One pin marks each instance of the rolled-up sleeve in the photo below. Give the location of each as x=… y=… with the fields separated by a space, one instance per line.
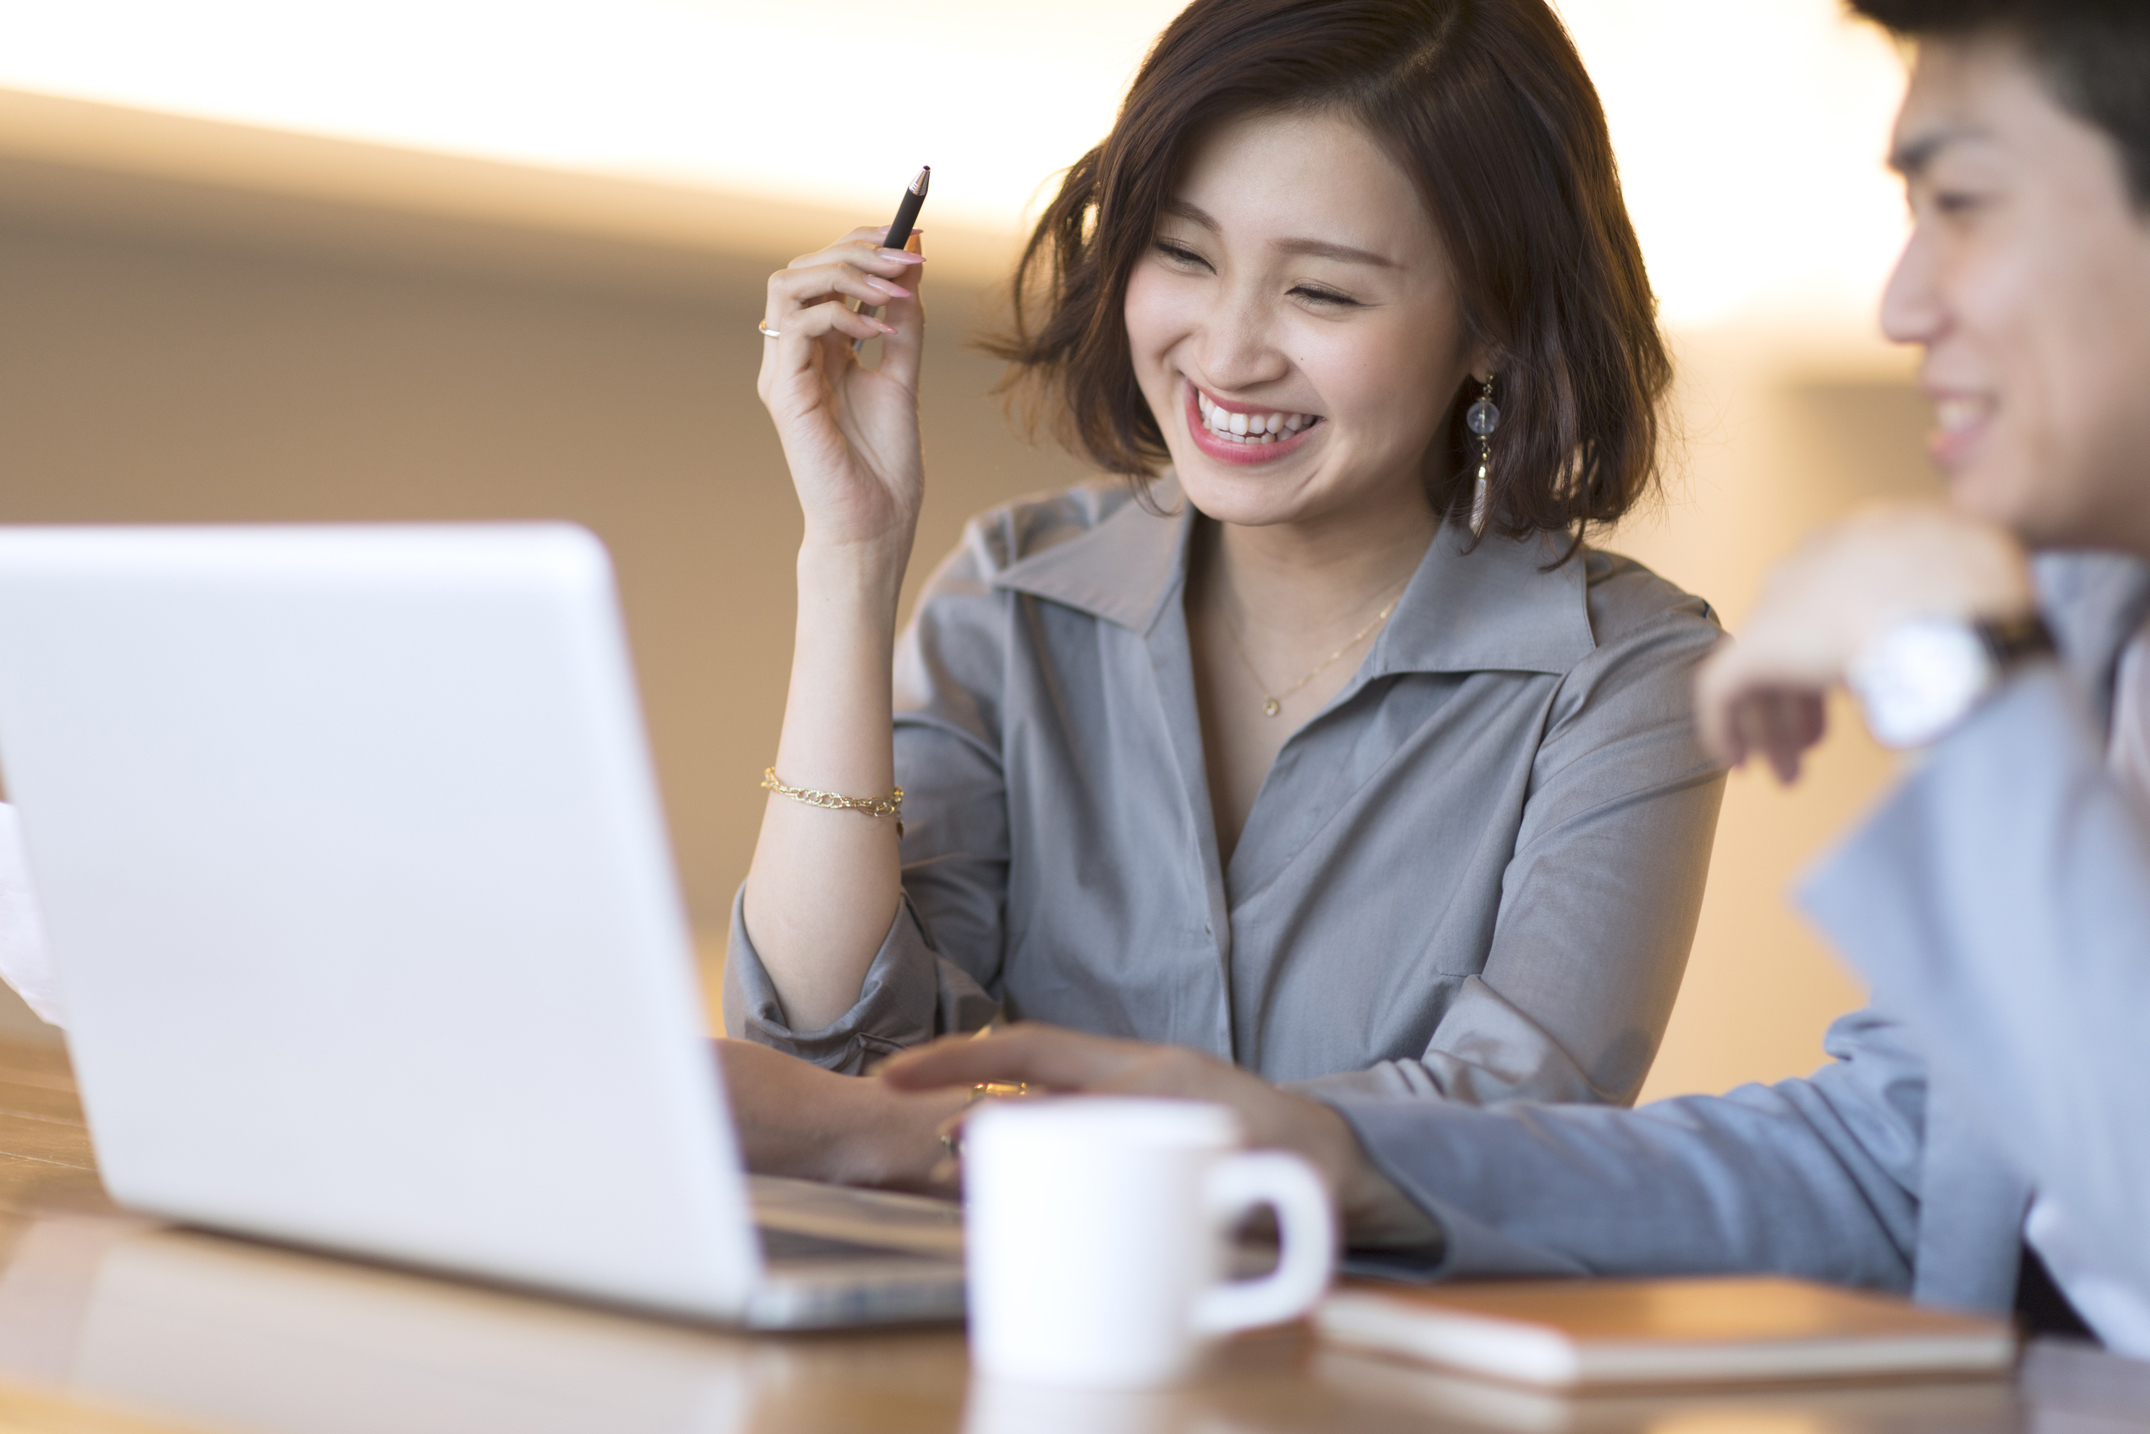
x=1808 y=1177
x=911 y=994
x=938 y=964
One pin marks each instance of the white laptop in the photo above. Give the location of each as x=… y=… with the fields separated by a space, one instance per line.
x=352 y=864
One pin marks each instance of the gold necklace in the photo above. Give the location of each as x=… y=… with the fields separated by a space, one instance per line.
x=1273 y=703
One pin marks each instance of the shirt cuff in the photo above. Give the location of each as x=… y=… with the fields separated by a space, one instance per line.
x=910 y=995
x=1405 y=1139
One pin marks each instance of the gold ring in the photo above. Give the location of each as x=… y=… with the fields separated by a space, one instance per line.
x=766 y=331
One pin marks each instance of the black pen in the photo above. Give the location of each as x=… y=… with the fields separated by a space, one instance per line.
x=899 y=229
x=914 y=199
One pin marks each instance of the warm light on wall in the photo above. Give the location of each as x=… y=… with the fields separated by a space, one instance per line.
x=839 y=101
x=1751 y=136
x=1749 y=132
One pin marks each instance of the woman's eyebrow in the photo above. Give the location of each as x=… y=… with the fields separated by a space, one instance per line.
x=1181 y=209
x=1322 y=249
x=1318 y=248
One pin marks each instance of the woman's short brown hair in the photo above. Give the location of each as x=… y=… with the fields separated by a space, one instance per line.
x=1485 y=104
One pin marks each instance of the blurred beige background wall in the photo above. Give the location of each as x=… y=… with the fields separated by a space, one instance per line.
x=203 y=320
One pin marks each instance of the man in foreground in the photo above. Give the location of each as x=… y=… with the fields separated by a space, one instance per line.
x=1982 y=1137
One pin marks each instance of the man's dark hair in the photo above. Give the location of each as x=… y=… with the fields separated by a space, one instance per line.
x=2094 y=55
x=1485 y=104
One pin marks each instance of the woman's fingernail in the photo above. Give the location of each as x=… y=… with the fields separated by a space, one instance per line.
x=889 y=329
x=904 y=256
x=897 y=290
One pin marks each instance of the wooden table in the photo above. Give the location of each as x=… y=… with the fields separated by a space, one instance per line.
x=110 y=1323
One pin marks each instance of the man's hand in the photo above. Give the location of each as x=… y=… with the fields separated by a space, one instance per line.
x=1763 y=692
x=1069 y=1062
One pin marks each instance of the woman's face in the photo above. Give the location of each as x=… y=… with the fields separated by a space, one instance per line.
x=1294 y=326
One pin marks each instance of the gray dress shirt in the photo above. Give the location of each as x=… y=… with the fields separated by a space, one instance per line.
x=1475 y=873
x=1999 y=900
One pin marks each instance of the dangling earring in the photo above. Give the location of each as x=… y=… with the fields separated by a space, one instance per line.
x=1482 y=418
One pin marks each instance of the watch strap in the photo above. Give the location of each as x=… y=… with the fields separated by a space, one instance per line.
x=2012 y=641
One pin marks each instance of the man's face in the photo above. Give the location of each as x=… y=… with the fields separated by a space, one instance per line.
x=2027 y=282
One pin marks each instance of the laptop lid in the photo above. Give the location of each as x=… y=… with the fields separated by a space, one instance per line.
x=352 y=862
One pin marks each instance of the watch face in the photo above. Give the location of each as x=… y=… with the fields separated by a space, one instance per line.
x=1918 y=679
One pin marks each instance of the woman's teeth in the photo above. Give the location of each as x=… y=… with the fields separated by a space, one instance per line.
x=1250 y=427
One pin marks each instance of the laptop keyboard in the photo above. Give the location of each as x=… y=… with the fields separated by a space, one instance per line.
x=791 y=1247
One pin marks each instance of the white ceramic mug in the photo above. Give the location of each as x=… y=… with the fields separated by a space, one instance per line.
x=1097 y=1237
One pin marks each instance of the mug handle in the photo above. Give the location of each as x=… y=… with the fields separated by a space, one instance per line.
x=1306 y=1229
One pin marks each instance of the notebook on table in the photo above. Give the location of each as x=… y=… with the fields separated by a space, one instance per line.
x=1454 y=1403
x=1609 y=1334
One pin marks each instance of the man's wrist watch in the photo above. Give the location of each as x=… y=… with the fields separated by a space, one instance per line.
x=1916 y=679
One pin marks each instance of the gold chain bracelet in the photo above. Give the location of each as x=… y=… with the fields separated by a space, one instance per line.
x=888 y=806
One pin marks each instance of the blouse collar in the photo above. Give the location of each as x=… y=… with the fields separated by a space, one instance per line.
x=1497 y=608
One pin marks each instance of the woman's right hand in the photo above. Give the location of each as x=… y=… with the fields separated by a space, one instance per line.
x=850 y=433
x=799 y=1120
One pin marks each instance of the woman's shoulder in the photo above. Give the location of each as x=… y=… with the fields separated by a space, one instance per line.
x=1648 y=636
x=1628 y=603
x=961 y=612
x=1003 y=536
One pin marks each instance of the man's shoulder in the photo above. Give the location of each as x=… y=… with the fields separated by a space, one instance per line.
x=2094 y=602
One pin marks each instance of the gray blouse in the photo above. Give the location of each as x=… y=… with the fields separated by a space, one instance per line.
x=1474 y=874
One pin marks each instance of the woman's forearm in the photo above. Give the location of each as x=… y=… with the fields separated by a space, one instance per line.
x=825 y=884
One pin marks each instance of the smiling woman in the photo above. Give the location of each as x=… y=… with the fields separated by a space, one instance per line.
x=1321 y=742
x=1498 y=205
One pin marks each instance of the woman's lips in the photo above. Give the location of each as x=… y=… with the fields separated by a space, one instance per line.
x=1225 y=450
